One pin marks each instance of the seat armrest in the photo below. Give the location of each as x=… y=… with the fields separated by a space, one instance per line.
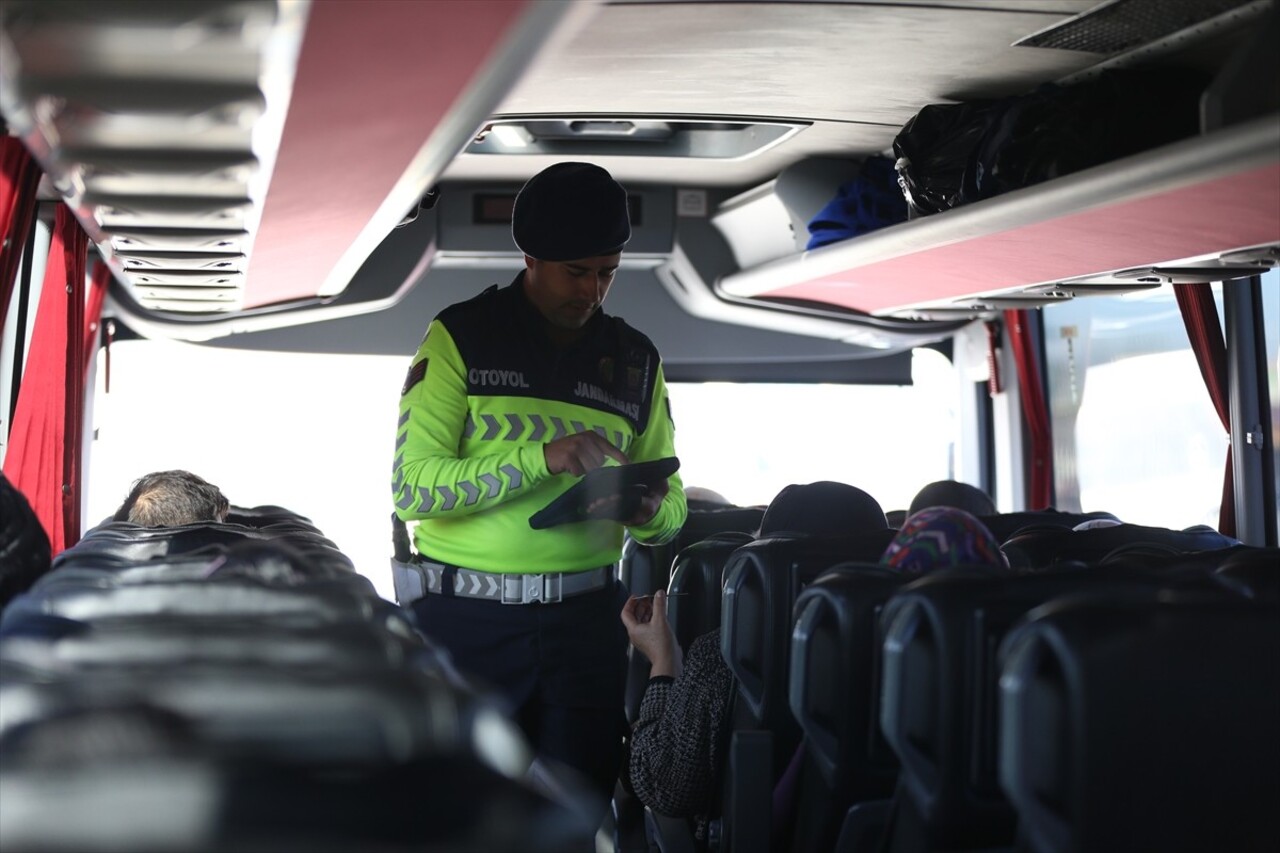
x=749 y=805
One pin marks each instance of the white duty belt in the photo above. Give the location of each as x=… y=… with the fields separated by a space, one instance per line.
x=415 y=579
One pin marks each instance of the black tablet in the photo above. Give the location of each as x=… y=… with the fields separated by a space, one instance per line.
x=629 y=481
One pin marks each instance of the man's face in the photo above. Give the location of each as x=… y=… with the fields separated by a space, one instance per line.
x=567 y=293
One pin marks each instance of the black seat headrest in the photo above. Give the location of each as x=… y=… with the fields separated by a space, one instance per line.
x=1096 y=690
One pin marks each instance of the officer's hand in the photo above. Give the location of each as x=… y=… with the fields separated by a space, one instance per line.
x=633 y=507
x=579 y=453
x=647 y=626
x=649 y=505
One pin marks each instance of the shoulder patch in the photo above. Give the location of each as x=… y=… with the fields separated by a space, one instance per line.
x=416 y=374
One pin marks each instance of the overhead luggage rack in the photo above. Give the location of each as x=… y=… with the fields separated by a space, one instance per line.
x=1211 y=203
x=150 y=116
x=165 y=127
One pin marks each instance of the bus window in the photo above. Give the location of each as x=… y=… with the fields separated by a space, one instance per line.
x=313 y=432
x=1271 y=325
x=748 y=441
x=308 y=431
x=1134 y=430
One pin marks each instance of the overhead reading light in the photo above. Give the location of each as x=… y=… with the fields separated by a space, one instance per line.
x=511 y=135
x=578 y=136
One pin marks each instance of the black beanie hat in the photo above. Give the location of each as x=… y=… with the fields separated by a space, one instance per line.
x=570 y=211
x=822 y=509
x=955 y=494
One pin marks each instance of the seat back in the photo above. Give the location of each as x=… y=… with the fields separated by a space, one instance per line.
x=697 y=577
x=1046 y=548
x=833 y=669
x=1005 y=524
x=84 y=600
x=645 y=569
x=937 y=711
x=254 y=692
x=763 y=579
x=120 y=544
x=1251 y=572
x=1144 y=722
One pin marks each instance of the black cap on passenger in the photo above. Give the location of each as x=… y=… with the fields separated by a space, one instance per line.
x=822 y=509
x=955 y=494
x=570 y=211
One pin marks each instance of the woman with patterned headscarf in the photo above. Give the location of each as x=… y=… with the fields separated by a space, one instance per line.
x=941 y=537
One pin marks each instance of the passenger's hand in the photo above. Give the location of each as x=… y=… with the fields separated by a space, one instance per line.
x=647 y=626
x=579 y=453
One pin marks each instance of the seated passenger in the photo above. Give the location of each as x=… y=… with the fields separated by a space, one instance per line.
x=24 y=546
x=942 y=537
x=953 y=493
x=171 y=499
x=675 y=742
x=675 y=761
x=938 y=537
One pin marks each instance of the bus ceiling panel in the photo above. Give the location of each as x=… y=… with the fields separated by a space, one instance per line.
x=1182 y=205
x=853 y=73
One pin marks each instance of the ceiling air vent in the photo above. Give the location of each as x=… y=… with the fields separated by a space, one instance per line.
x=1122 y=25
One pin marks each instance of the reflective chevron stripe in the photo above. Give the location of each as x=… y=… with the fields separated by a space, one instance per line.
x=512 y=426
x=423 y=499
x=514 y=475
x=494 y=484
x=425 y=576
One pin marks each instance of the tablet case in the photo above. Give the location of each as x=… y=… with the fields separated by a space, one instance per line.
x=629 y=481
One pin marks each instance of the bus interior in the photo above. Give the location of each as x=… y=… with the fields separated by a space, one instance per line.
x=1028 y=245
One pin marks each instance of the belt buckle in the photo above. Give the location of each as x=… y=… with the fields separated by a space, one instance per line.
x=532 y=589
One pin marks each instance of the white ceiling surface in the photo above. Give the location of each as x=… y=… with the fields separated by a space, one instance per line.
x=859 y=72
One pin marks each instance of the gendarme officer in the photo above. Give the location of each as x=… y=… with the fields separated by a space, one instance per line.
x=511 y=397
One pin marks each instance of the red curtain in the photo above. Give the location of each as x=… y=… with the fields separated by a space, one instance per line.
x=19 y=176
x=1200 y=316
x=1034 y=410
x=44 y=456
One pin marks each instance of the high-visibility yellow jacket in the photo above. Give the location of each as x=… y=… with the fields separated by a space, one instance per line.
x=485 y=391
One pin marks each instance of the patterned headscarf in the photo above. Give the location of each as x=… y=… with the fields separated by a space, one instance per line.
x=940 y=537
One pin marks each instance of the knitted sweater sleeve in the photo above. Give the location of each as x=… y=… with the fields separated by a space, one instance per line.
x=675 y=746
